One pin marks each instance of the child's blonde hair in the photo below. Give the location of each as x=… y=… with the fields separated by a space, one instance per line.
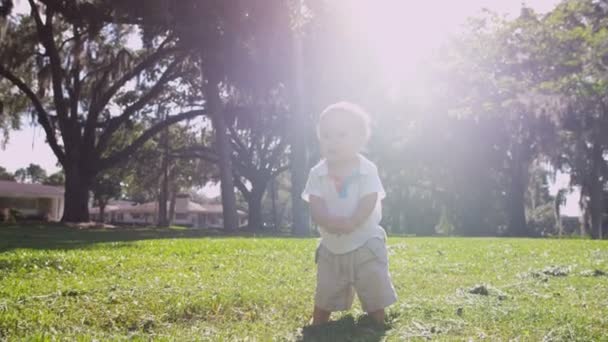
x=360 y=116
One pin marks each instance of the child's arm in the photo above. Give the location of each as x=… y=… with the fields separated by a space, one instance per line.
x=342 y=225
x=365 y=207
x=321 y=216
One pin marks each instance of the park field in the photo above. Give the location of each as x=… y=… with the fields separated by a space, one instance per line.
x=59 y=283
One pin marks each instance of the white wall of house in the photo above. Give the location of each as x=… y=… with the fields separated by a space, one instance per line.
x=56 y=209
x=193 y=219
x=186 y=214
x=29 y=205
x=187 y=219
x=35 y=200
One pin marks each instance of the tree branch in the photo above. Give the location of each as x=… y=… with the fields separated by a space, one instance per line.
x=116 y=122
x=45 y=33
x=119 y=156
x=92 y=123
x=144 y=64
x=75 y=74
x=276 y=153
x=42 y=114
x=196 y=152
x=244 y=169
x=237 y=140
x=239 y=146
x=279 y=170
x=242 y=188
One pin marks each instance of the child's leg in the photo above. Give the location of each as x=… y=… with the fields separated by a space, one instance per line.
x=334 y=291
x=373 y=281
x=320 y=316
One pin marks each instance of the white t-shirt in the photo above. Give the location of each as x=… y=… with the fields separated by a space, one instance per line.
x=363 y=182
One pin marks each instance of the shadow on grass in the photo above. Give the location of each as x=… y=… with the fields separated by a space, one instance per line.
x=345 y=329
x=59 y=236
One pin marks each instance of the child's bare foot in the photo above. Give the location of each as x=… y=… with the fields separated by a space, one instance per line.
x=370 y=326
x=377 y=316
x=320 y=316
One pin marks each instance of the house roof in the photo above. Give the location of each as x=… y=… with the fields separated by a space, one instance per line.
x=14 y=189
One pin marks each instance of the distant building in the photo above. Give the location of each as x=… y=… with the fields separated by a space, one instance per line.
x=32 y=201
x=187 y=213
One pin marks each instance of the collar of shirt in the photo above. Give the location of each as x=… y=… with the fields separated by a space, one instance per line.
x=365 y=166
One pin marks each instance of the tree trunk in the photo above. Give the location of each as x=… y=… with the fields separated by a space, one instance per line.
x=298 y=165
x=226 y=181
x=224 y=151
x=163 y=220
x=273 y=200
x=163 y=197
x=76 y=196
x=298 y=158
x=557 y=202
x=172 y=203
x=516 y=210
x=583 y=203
x=596 y=193
x=254 y=204
x=102 y=211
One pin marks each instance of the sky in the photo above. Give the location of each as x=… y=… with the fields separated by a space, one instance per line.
x=424 y=24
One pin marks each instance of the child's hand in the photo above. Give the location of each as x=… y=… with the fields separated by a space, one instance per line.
x=341 y=225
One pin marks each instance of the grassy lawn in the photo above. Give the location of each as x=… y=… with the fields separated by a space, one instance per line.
x=61 y=283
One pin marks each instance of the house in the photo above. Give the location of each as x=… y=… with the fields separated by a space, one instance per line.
x=32 y=201
x=110 y=211
x=187 y=213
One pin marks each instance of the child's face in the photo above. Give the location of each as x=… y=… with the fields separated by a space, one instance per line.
x=340 y=137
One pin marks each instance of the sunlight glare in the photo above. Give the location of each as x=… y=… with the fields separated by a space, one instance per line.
x=403 y=33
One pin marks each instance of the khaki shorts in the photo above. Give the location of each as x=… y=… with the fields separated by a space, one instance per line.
x=364 y=271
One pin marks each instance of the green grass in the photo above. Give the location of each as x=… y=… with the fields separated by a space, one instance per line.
x=58 y=283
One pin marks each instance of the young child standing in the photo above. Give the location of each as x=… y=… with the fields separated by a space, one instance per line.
x=344 y=193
